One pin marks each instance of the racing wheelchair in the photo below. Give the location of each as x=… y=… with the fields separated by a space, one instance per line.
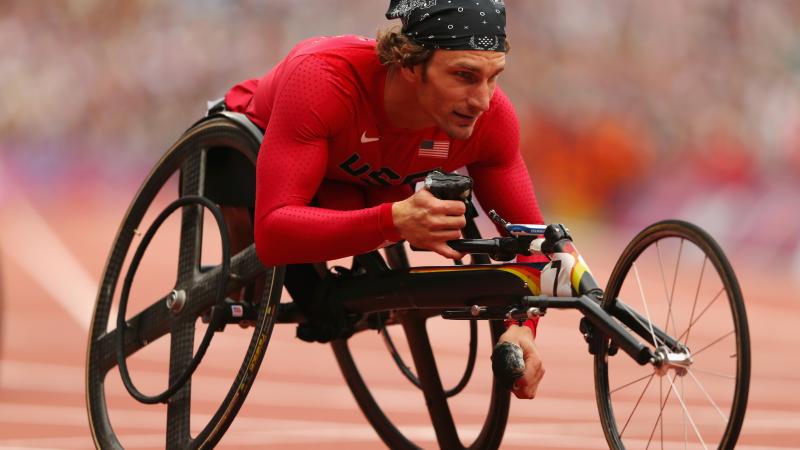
x=671 y=357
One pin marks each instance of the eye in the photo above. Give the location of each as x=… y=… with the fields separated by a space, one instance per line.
x=466 y=76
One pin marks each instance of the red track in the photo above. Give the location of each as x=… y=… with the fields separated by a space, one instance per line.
x=300 y=398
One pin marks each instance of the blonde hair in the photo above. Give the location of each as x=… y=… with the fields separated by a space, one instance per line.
x=396 y=49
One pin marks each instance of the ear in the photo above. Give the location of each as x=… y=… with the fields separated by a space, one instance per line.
x=411 y=74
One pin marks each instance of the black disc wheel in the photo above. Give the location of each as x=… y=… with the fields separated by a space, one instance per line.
x=193 y=175
x=673 y=287
x=436 y=396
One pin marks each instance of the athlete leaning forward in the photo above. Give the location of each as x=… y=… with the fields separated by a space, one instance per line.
x=351 y=124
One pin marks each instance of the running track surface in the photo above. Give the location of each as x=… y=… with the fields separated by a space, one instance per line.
x=52 y=254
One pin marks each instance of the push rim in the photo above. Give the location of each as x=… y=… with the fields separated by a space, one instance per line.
x=414 y=325
x=187 y=157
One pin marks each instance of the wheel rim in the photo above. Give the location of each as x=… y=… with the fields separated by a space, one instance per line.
x=447 y=434
x=187 y=157
x=436 y=397
x=677 y=277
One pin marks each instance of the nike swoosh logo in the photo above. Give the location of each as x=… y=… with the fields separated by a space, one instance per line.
x=365 y=139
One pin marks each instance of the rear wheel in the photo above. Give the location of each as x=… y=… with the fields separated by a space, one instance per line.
x=695 y=395
x=427 y=378
x=196 y=160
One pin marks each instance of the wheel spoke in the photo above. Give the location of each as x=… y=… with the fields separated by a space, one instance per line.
x=435 y=398
x=635 y=316
x=156 y=320
x=193 y=174
x=708 y=397
x=644 y=302
x=691 y=324
x=660 y=413
x=715 y=341
x=667 y=294
x=694 y=304
x=630 y=383
x=145 y=327
x=686 y=412
x=685 y=428
x=674 y=282
x=661 y=400
x=635 y=406
x=192 y=183
x=178 y=410
x=716 y=374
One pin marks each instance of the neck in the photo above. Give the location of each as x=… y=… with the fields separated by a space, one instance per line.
x=401 y=103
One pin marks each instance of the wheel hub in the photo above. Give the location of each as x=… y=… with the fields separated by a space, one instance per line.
x=175 y=300
x=665 y=359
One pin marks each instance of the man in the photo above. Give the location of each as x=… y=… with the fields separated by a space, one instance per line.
x=351 y=124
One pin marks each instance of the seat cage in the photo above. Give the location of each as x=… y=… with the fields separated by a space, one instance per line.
x=218 y=108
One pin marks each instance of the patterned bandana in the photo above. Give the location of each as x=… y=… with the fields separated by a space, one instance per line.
x=452 y=24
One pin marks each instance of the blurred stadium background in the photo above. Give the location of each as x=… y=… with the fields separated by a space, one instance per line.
x=631 y=112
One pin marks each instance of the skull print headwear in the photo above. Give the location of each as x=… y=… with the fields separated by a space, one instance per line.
x=452 y=24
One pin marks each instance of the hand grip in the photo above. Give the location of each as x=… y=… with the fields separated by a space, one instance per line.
x=449 y=186
x=507 y=363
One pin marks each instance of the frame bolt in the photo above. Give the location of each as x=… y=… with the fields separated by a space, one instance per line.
x=534 y=312
x=476 y=310
x=175 y=300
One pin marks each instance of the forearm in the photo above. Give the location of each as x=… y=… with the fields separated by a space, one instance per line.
x=298 y=234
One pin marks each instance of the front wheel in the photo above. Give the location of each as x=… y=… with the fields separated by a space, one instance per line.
x=677 y=279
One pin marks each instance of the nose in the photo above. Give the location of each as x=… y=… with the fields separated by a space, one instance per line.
x=480 y=97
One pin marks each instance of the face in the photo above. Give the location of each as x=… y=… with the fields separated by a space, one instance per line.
x=458 y=87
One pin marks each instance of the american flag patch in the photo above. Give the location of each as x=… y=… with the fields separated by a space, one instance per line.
x=434 y=149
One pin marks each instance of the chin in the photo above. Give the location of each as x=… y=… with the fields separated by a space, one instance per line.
x=459 y=132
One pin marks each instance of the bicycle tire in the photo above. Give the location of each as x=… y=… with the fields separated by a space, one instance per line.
x=493 y=428
x=186 y=156
x=726 y=393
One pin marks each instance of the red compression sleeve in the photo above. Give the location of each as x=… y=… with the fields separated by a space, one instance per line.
x=311 y=104
x=501 y=179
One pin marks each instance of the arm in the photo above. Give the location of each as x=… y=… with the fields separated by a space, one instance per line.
x=501 y=178
x=502 y=183
x=311 y=104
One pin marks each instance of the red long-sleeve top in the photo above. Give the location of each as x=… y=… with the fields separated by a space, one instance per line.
x=327 y=136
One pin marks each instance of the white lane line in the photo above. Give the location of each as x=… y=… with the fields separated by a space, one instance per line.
x=31 y=243
x=254 y=431
x=39 y=377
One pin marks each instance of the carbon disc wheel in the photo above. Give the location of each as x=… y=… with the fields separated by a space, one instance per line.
x=196 y=161
x=448 y=433
x=694 y=395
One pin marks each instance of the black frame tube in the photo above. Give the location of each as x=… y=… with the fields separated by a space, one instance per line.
x=601 y=319
x=636 y=322
x=463 y=286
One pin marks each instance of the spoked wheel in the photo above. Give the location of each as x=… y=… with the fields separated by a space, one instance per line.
x=427 y=378
x=678 y=280
x=201 y=160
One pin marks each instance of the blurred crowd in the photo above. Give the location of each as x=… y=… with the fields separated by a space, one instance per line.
x=631 y=111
